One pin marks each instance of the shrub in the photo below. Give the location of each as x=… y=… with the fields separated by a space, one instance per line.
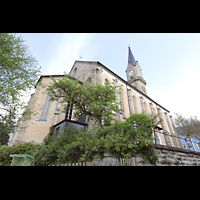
x=23 y=148
x=120 y=140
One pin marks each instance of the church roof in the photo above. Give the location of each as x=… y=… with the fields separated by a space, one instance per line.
x=131 y=58
x=97 y=62
x=128 y=84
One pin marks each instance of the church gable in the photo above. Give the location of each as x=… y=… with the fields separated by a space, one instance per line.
x=85 y=71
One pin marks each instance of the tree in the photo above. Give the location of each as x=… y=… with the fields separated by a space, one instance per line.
x=3 y=136
x=94 y=100
x=18 y=73
x=189 y=127
x=120 y=139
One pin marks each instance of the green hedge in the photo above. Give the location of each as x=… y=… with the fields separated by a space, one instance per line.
x=44 y=154
x=24 y=148
x=120 y=140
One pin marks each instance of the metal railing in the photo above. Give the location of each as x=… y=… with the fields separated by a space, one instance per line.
x=166 y=133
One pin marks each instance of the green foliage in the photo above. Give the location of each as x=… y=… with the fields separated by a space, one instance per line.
x=94 y=100
x=18 y=73
x=45 y=154
x=49 y=137
x=120 y=140
x=24 y=148
x=18 y=67
x=4 y=136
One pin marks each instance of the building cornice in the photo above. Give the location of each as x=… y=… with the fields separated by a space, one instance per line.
x=100 y=64
x=131 y=86
x=136 y=79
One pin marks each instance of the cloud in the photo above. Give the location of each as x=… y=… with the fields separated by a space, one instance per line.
x=182 y=97
x=181 y=93
x=67 y=51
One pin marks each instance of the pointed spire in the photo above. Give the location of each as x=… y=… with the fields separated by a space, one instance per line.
x=131 y=58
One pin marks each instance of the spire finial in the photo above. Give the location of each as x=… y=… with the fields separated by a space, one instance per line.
x=131 y=58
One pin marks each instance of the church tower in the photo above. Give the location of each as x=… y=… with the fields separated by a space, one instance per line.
x=134 y=73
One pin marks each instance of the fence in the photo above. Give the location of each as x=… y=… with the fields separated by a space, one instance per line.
x=107 y=161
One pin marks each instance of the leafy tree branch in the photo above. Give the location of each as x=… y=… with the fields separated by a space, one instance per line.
x=18 y=74
x=94 y=100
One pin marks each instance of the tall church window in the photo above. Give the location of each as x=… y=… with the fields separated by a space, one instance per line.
x=167 y=139
x=152 y=110
x=106 y=84
x=143 y=105
x=121 y=97
x=157 y=138
x=168 y=123
x=134 y=105
x=45 y=110
x=69 y=111
x=170 y=118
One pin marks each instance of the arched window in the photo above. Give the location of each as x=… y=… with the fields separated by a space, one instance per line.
x=45 y=110
x=157 y=138
x=121 y=98
x=68 y=114
x=167 y=139
x=168 y=123
x=152 y=110
x=143 y=105
x=134 y=105
x=106 y=84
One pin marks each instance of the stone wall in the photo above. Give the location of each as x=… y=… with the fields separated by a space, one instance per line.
x=168 y=156
x=171 y=156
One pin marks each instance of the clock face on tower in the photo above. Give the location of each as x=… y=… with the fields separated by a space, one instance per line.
x=131 y=72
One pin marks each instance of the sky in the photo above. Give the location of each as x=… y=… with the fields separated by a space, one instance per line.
x=170 y=62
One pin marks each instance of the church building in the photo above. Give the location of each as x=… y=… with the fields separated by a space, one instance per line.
x=133 y=97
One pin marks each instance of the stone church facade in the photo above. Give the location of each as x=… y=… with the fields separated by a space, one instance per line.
x=133 y=97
